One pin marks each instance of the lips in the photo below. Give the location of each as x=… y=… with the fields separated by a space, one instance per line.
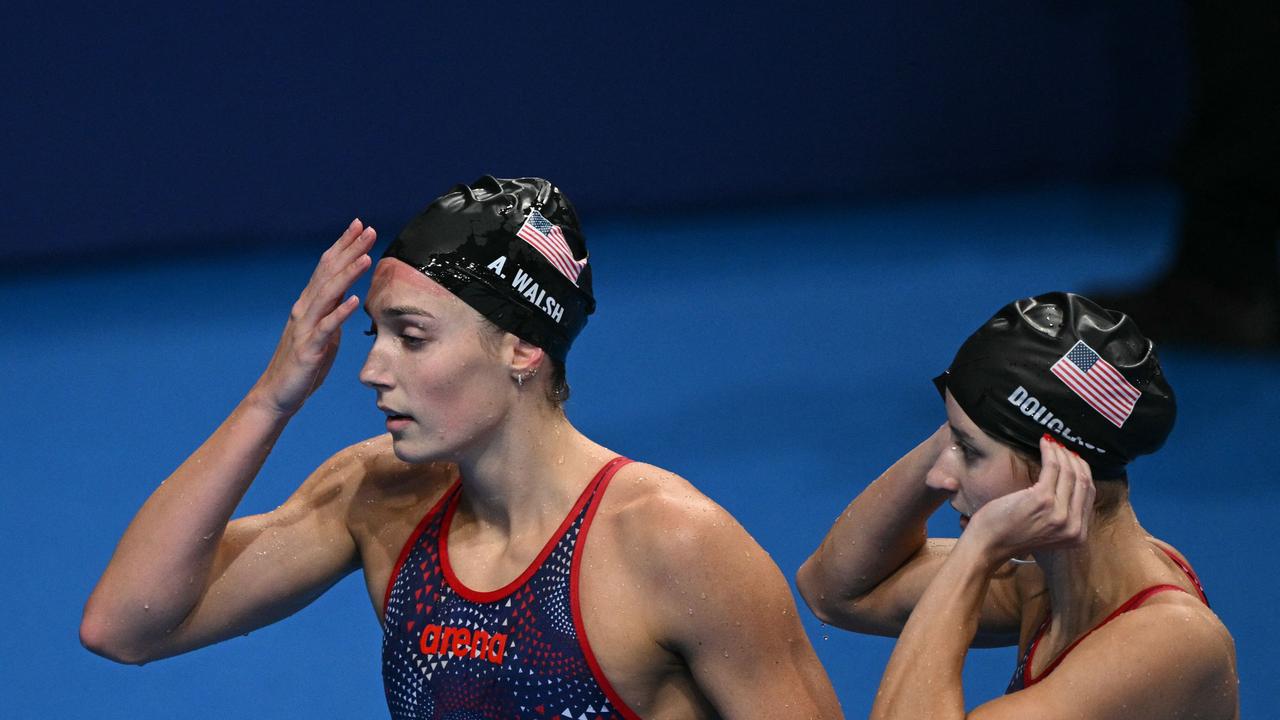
x=395 y=419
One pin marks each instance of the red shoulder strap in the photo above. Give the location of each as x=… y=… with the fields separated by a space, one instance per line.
x=415 y=536
x=1191 y=574
x=1125 y=607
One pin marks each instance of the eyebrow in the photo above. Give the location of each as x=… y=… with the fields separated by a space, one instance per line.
x=960 y=434
x=401 y=311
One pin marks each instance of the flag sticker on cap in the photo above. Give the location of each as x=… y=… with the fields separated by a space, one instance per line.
x=1097 y=383
x=548 y=239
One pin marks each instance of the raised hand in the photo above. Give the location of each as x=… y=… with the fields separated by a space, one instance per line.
x=1052 y=513
x=310 y=339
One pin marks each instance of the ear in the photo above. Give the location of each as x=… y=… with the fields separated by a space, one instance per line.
x=525 y=357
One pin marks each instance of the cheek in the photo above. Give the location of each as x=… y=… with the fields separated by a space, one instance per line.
x=459 y=394
x=996 y=479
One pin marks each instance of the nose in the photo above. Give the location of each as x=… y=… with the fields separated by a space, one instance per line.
x=940 y=476
x=374 y=371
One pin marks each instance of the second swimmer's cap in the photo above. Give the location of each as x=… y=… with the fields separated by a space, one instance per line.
x=513 y=250
x=1061 y=364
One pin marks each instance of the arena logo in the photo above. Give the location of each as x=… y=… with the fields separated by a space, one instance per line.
x=462 y=643
x=528 y=287
x=1031 y=406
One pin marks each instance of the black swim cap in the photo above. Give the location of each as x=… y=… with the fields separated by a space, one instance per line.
x=512 y=249
x=1061 y=364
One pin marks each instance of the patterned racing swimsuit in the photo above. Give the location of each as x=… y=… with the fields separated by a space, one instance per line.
x=453 y=653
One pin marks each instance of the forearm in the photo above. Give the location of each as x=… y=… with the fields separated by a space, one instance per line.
x=923 y=678
x=878 y=532
x=162 y=564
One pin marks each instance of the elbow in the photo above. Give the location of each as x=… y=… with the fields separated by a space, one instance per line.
x=813 y=591
x=98 y=636
x=832 y=604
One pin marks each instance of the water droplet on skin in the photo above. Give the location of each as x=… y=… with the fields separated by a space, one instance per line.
x=146 y=607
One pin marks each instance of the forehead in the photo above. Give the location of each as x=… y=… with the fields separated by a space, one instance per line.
x=960 y=420
x=396 y=283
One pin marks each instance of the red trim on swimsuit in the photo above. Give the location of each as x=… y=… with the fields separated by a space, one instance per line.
x=413 y=540
x=575 y=603
x=1130 y=604
x=487 y=596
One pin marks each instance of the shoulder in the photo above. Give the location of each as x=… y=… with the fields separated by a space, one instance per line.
x=1171 y=657
x=1174 y=642
x=658 y=509
x=669 y=534
x=1181 y=629
x=367 y=478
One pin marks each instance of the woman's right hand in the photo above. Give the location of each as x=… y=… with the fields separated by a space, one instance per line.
x=1052 y=513
x=310 y=340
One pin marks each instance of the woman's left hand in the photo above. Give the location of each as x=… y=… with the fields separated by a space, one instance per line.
x=1052 y=513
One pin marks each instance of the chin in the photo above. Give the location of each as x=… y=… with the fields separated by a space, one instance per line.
x=408 y=452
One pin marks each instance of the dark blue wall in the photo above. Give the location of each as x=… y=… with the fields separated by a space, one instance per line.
x=180 y=125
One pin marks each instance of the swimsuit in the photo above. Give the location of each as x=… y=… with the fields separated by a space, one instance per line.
x=521 y=651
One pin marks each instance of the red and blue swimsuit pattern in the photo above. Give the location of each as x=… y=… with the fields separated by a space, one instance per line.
x=518 y=652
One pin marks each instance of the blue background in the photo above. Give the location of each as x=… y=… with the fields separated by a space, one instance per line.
x=795 y=218
x=174 y=126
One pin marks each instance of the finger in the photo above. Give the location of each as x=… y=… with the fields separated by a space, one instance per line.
x=1065 y=488
x=354 y=241
x=1085 y=493
x=1074 y=528
x=341 y=253
x=329 y=324
x=1049 y=462
x=329 y=293
x=352 y=232
x=359 y=245
x=1081 y=507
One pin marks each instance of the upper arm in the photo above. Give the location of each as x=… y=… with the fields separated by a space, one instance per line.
x=727 y=610
x=1161 y=661
x=885 y=609
x=269 y=566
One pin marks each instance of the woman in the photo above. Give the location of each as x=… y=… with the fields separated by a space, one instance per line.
x=1046 y=404
x=519 y=569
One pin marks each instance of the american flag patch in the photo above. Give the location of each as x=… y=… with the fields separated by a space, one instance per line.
x=1097 y=383
x=548 y=239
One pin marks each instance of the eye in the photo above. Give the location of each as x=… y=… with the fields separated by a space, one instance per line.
x=969 y=454
x=410 y=341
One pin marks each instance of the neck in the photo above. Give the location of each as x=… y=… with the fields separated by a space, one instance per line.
x=529 y=471
x=1088 y=582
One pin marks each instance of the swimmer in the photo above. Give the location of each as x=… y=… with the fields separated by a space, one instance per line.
x=518 y=568
x=1046 y=405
